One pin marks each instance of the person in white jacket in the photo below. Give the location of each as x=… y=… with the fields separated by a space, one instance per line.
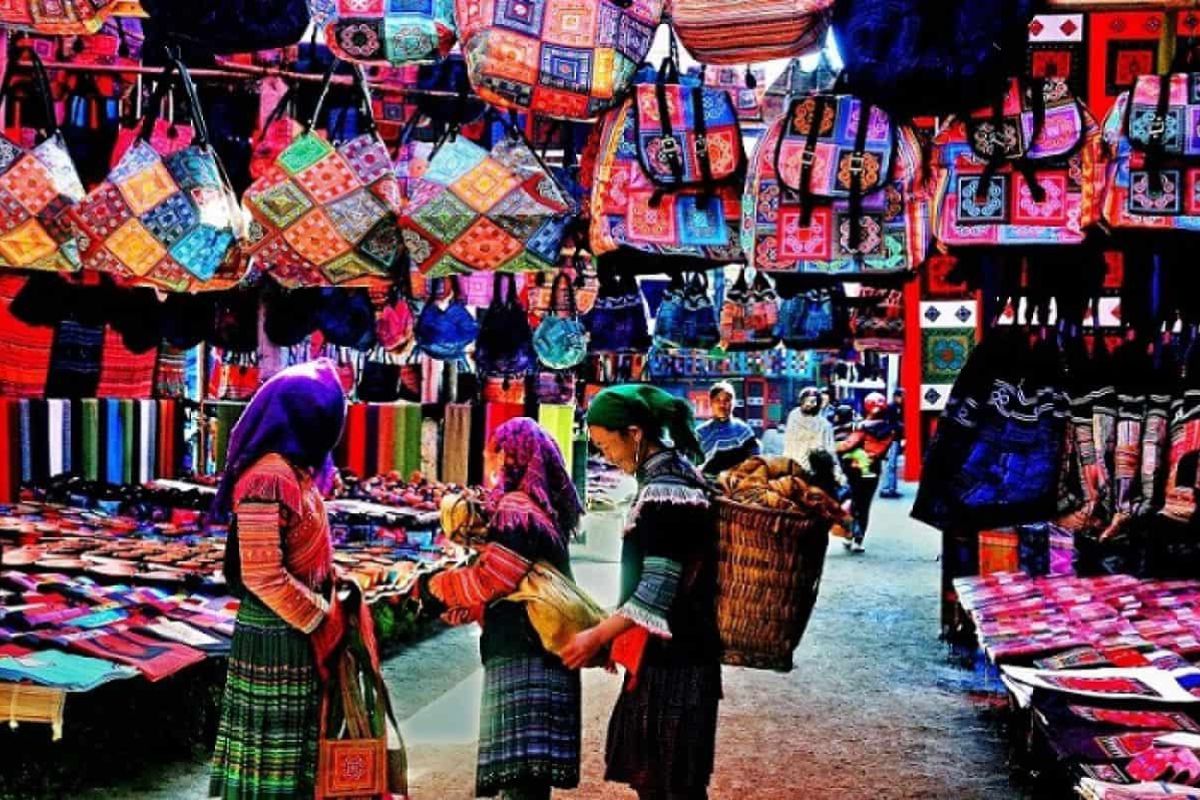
x=809 y=433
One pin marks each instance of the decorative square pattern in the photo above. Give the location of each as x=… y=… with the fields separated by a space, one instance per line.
x=485 y=246
x=523 y=16
x=103 y=211
x=315 y=238
x=566 y=68
x=146 y=189
x=571 y=23
x=355 y=215
x=486 y=185
x=283 y=204
x=27 y=245
x=12 y=213
x=445 y=216
x=30 y=183
x=135 y=247
x=303 y=153
x=200 y=251
x=328 y=179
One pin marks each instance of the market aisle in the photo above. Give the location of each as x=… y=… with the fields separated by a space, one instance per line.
x=872 y=710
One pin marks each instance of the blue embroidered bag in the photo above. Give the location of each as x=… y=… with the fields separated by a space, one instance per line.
x=446 y=333
x=561 y=342
x=810 y=320
x=687 y=318
x=617 y=322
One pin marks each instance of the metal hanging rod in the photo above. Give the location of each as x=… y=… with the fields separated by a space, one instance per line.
x=236 y=72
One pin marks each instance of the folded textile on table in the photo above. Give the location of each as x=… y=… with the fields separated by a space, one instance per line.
x=154 y=658
x=61 y=670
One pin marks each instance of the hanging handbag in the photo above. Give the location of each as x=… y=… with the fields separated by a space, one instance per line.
x=326 y=214
x=669 y=175
x=913 y=57
x=236 y=377
x=392 y=33
x=168 y=223
x=379 y=380
x=1027 y=171
x=467 y=209
x=835 y=188
x=229 y=26
x=795 y=81
x=555 y=388
x=737 y=32
x=40 y=187
x=569 y=59
x=749 y=314
x=686 y=317
x=1153 y=182
x=505 y=343
x=617 y=323
x=446 y=333
x=57 y=17
x=877 y=320
x=561 y=342
x=746 y=88
x=811 y=320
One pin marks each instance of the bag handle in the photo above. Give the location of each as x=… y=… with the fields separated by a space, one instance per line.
x=41 y=81
x=360 y=85
x=177 y=70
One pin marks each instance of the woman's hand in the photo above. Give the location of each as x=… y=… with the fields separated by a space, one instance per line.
x=581 y=651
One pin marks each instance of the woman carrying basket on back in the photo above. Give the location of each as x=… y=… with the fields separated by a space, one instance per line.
x=662 y=736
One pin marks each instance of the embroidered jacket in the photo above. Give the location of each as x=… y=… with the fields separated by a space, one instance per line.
x=669 y=564
x=283 y=536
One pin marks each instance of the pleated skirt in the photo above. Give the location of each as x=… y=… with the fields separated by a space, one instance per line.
x=267 y=737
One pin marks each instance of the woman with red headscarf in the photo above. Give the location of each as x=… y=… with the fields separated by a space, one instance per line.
x=529 y=737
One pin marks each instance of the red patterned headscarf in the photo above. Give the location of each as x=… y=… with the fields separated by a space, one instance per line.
x=533 y=465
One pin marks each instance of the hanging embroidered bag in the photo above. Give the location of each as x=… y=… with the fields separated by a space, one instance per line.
x=670 y=172
x=467 y=209
x=392 y=31
x=505 y=343
x=746 y=31
x=617 y=323
x=746 y=88
x=569 y=59
x=1027 y=171
x=877 y=319
x=561 y=342
x=326 y=213
x=795 y=81
x=749 y=314
x=835 y=188
x=1154 y=174
x=686 y=317
x=446 y=333
x=811 y=320
x=170 y=223
x=57 y=17
x=40 y=187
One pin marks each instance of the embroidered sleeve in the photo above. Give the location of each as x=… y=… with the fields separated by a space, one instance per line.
x=655 y=592
x=263 y=571
x=495 y=574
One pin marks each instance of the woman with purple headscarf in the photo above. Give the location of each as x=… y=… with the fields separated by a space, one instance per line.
x=529 y=738
x=279 y=561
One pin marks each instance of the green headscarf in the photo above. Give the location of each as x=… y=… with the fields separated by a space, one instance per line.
x=651 y=409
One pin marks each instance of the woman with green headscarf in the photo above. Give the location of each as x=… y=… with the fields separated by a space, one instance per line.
x=662 y=735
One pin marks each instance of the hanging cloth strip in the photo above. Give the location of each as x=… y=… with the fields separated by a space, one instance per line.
x=356 y=439
x=123 y=373
x=387 y=439
x=408 y=438
x=9 y=439
x=90 y=435
x=559 y=422
x=429 y=448
x=456 y=443
x=113 y=438
x=373 y=446
x=26 y=442
x=54 y=409
x=24 y=349
x=128 y=453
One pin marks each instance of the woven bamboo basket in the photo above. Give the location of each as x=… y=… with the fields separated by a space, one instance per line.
x=769 y=575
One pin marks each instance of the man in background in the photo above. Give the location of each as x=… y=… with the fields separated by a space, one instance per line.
x=726 y=440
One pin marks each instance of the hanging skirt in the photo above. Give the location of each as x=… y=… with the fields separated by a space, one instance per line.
x=663 y=734
x=529 y=725
x=267 y=738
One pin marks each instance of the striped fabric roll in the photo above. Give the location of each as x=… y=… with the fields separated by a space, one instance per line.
x=429 y=448
x=54 y=409
x=559 y=422
x=748 y=31
x=410 y=440
x=387 y=438
x=26 y=435
x=356 y=440
x=9 y=438
x=128 y=435
x=90 y=433
x=124 y=373
x=113 y=442
x=456 y=443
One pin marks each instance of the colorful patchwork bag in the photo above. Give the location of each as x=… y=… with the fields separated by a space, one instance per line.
x=617 y=322
x=746 y=87
x=812 y=320
x=749 y=314
x=795 y=81
x=57 y=17
x=170 y=223
x=561 y=341
x=686 y=317
x=39 y=186
x=743 y=31
x=467 y=209
x=669 y=174
x=569 y=59
x=392 y=31
x=877 y=319
x=1027 y=171
x=1154 y=175
x=326 y=213
x=835 y=188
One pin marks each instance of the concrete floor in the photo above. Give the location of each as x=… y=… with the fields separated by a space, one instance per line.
x=872 y=710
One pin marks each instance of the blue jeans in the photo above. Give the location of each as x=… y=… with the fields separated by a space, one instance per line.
x=891 y=470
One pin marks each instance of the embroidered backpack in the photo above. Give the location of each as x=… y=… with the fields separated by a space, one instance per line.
x=40 y=187
x=392 y=31
x=1154 y=174
x=570 y=59
x=324 y=214
x=749 y=314
x=467 y=209
x=1027 y=171
x=686 y=317
x=744 y=31
x=669 y=174
x=835 y=187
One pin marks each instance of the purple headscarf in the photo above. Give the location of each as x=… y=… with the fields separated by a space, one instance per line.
x=297 y=414
x=538 y=470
